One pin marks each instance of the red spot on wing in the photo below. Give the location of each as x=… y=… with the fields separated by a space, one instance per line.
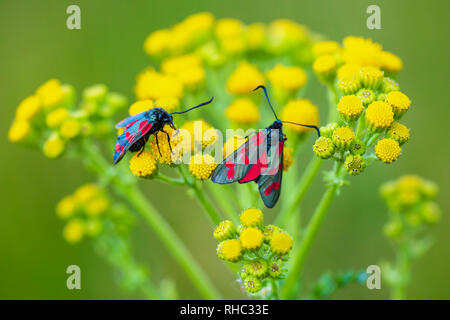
x=130 y=124
x=274 y=186
x=144 y=126
x=231 y=171
x=252 y=174
x=129 y=136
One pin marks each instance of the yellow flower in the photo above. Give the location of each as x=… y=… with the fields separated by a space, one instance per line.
x=300 y=111
x=19 y=130
x=399 y=102
x=140 y=106
x=325 y=47
x=55 y=117
x=323 y=147
x=192 y=77
x=153 y=85
x=325 y=66
x=143 y=165
x=284 y=35
x=225 y=230
x=74 y=231
x=70 y=128
x=28 y=108
x=187 y=69
x=96 y=206
x=348 y=85
x=85 y=193
x=350 y=70
x=252 y=218
x=230 y=33
x=350 y=107
x=361 y=51
x=198 y=132
x=199 y=22
x=202 y=166
x=343 y=137
x=166 y=156
x=256 y=36
x=157 y=42
x=289 y=78
x=53 y=147
x=281 y=243
x=243 y=111
x=244 y=79
x=399 y=132
x=251 y=238
x=229 y=250
x=167 y=103
x=66 y=207
x=370 y=77
x=51 y=93
x=232 y=144
x=287 y=158
x=379 y=115
x=388 y=150
x=390 y=62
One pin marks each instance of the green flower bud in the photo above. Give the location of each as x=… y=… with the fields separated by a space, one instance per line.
x=323 y=148
x=225 y=230
x=358 y=147
x=327 y=131
x=258 y=268
x=393 y=229
x=269 y=231
x=354 y=164
x=252 y=284
x=275 y=268
x=431 y=213
x=388 y=85
x=367 y=96
x=95 y=93
x=348 y=85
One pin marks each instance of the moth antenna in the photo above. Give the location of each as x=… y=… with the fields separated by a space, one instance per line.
x=305 y=125
x=268 y=100
x=197 y=106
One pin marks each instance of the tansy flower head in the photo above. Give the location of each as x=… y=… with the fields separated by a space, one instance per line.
x=198 y=131
x=228 y=28
x=252 y=218
x=140 y=106
x=86 y=192
x=357 y=147
x=348 y=85
x=399 y=102
x=229 y=250
x=327 y=131
x=96 y=206
x=252 y=284
x=55 y=117
x=257 y=268
x=388 y=150
x=388 y=85
x=284 y=35
x=19 y=131
x=243 y=111
x=51 y=93
x=174 y=64
x=300 y=111
x=390 y=62
x=354 y=164
x=367 y=96
x=70 y=128
x=398 y=132
x=343 y=137
x=431 y=212
x=275 y=268
x=96 y=93
x=28 y=108
x=166 y=156
x=157 y=42
x=323 y=147
x=53 y=147
x=251 y=238
x=202 y=166
x=66 y=207
x=281 y=243
x=74 y=231
x=325 y=47
x=348 y=70
x=153 y=85
x=393 y=229
x=225 y=230
x=244 y=79
x=256 y=36
x=288 y=78
x=167 y=103
x=143 y=164
x=350 y=107
x=269 y=231
x=370 y=77
x=325 y=67
x=232 y=144
x=361 y=51
x=288 y=159
x=379 y=115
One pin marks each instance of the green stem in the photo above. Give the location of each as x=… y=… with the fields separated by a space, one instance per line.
x=224 y=202
x=403 y=265
x=309 y=236
x=170 y=180
x=275 y=294
x=300 y=191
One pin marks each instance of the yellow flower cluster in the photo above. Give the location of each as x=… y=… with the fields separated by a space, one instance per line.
x=268 y=247
x=202 y=166
x=411 y=199
x=83 y=211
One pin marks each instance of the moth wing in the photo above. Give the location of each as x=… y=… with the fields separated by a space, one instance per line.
x=269 y=182
x=131 y=134
x=131 y=120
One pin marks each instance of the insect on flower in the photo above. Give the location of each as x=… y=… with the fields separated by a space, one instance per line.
x=139 y=127
x=259 y=159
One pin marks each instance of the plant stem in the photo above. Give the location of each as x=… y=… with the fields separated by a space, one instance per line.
x=224 y=202
x=403 y=269
x=300 y=191
x=170 y=180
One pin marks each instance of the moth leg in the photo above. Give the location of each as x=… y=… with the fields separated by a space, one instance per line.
x=157 y=144
x=168 y=139
x=143 y=147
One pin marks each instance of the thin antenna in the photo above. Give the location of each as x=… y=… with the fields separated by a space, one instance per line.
x=198 y=106
x=268 y=100
x=304 y=125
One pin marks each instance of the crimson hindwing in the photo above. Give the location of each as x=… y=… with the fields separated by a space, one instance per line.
x=135 y=128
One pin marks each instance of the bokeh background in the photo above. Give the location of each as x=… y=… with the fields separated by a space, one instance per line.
x=35 y=45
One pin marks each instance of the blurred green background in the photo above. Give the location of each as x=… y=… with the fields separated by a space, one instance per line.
x=35 y=45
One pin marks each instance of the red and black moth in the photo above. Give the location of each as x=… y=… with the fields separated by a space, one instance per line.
x=139 y=127
x=259 y=159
